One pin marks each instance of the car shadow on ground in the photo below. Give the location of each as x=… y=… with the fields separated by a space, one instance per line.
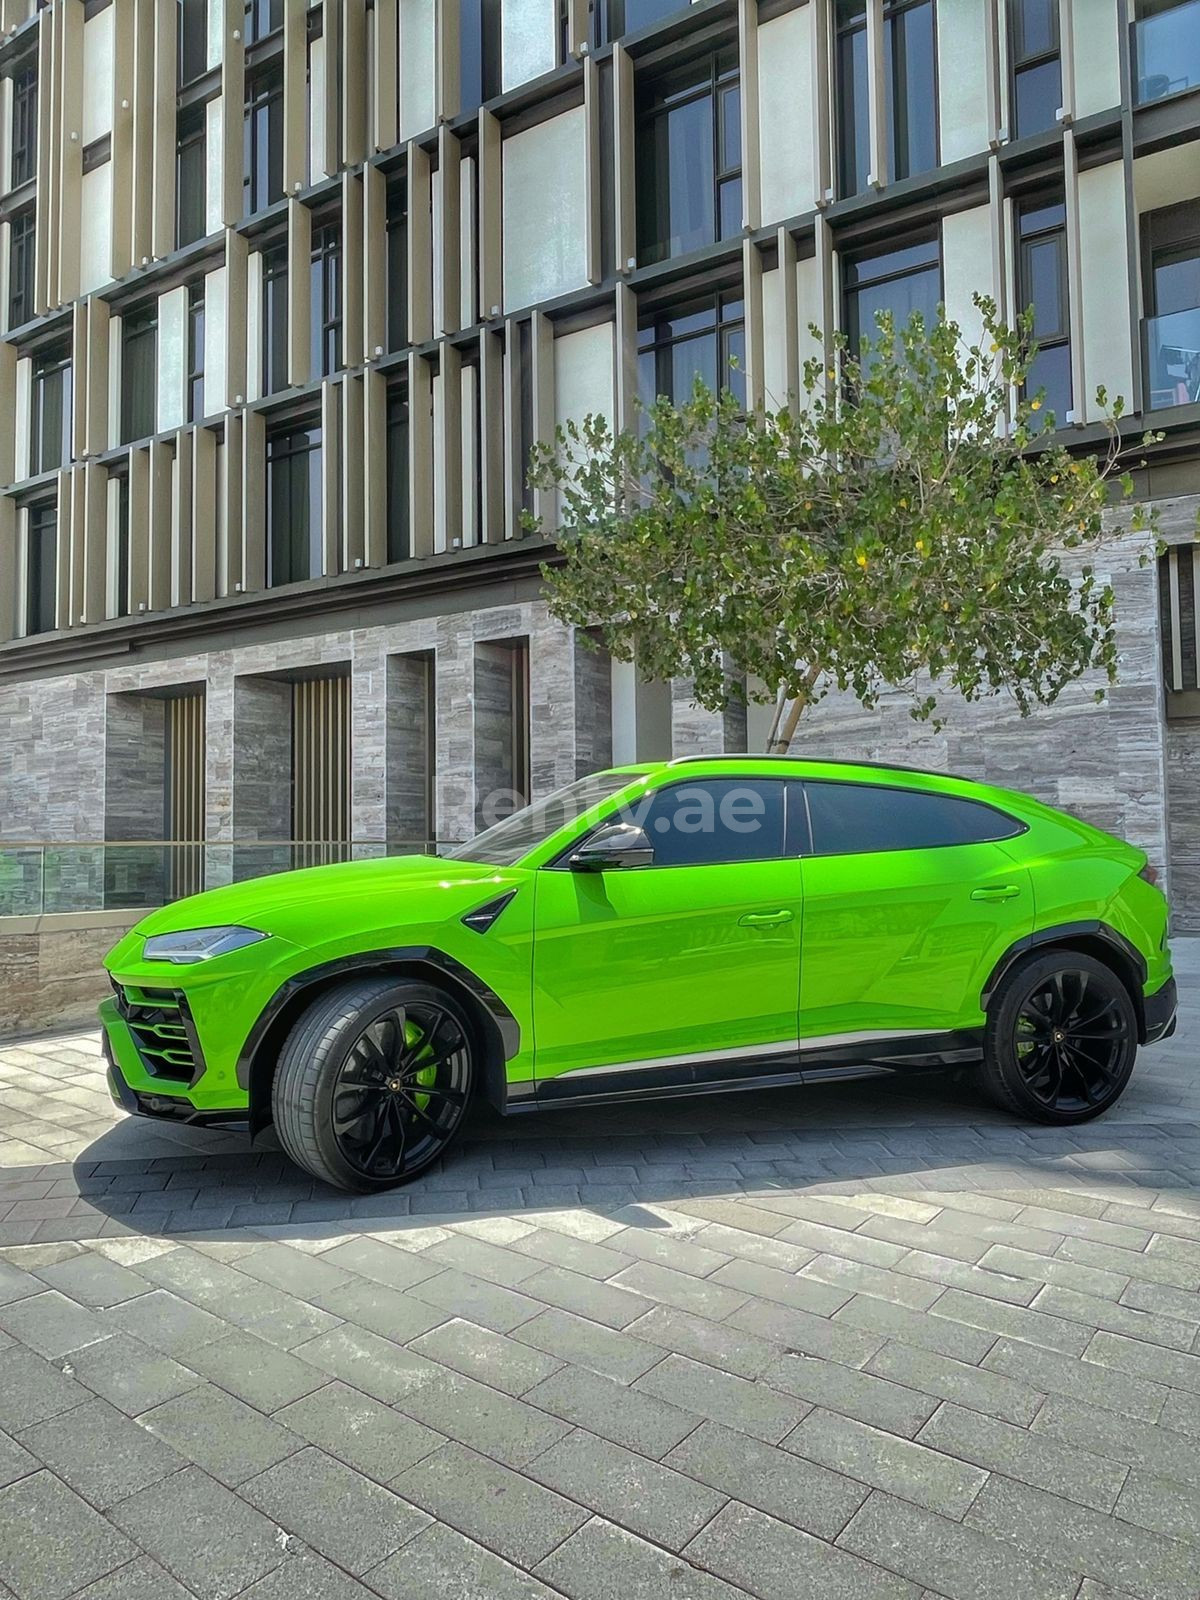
x=912 y=1133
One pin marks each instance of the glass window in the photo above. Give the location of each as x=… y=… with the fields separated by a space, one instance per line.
x=607 y=169
x=293 y=505
x=20 y=260
x=262 y=18
x=192 y=27
x=263 y=142
x=612 y=19
x=274 y=319
x=195 y=372
x=139 y=375
x=900 y=280
x=854 y=819
x=478 y=53
x=853 y=100
x=702 y=339
x=716 y=820
x=24 y=126
x=910 y=89
x=1166 y=49
x=689 y=181
x=1042 y=285
x=122 y=572
x=397 y=265
x=1171 y=279
x=191 y=201
x=326 y=300
x=41 y=569
x=1176 y=280
x=527 y=432
x=399 y=546
x=1172 y=244
x=472 y=434
x=524 y=830
x=909 y=54
x=50 y=441
x=1036 y=69
x=1035 y=28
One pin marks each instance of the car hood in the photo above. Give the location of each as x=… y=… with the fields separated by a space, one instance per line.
x=387 y=892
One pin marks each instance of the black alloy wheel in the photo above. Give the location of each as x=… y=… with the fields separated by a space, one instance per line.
x=1073 y=1038
x=1061 y=1038
x=374 y=1081
x=401 y=1092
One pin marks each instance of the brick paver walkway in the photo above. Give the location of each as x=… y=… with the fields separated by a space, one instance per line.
x=875 y=1342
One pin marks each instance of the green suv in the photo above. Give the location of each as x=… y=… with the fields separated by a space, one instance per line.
x=671 y=928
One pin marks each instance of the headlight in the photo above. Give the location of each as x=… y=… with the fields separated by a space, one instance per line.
x=198 y=944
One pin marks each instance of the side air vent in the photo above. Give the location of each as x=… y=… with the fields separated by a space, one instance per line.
x=481 y=920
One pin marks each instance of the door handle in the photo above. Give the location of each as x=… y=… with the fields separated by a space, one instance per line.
x=765 y=919
x=997 y=891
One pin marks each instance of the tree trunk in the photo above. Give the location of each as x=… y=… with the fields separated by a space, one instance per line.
x=788 y=713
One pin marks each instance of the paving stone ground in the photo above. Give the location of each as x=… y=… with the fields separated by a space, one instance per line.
x=880 y=1341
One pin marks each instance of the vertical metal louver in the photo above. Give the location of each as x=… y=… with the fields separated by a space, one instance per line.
x=522 y=774
x=321 y=769
x=1179 y=600
x=184 y=789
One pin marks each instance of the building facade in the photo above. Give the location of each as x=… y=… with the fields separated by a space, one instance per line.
x=288 y=291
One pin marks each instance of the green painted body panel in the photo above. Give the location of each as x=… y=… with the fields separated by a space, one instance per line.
x=318 y=916
x=922 y=946
x=628 y=966
x=625 y=966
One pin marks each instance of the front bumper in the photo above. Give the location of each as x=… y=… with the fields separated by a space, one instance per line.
x=1159 y=1010
x=150 y=1079
x=163 y=1107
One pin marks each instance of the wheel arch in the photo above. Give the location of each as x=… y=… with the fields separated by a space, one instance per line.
x=1095 y=939
x=497 y=1033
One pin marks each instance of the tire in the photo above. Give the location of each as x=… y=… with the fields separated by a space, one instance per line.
x=373 y=1082
x=1060 y=1040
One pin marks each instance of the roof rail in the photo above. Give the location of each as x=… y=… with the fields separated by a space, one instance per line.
x=823 y=761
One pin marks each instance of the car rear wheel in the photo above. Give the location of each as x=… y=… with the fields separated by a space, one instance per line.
x=373 y=1082
x=1061 y=1038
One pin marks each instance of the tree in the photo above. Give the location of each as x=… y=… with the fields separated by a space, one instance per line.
x=907 y=523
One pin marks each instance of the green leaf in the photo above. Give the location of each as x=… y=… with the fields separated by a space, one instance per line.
x=888 y=527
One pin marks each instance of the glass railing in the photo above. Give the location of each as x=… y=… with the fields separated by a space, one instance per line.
x=1167 y=52
x=1171 y=347
x=42 y=879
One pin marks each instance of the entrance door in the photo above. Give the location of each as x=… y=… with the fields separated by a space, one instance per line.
x=681 y=970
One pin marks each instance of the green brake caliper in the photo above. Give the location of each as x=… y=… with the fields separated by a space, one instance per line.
x=426 y=1075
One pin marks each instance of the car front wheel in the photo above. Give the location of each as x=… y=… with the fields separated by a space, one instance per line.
x=1061 y=1038
x=373 y=1082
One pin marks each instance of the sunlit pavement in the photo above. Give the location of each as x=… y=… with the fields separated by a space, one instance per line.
x=873 y=1341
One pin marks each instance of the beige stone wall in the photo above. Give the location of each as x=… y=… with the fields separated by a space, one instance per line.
x=51 y=972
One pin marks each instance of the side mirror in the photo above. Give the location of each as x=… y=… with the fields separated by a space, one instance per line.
x=616 y=845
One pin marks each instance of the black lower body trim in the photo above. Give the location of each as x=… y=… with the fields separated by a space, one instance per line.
x=866 y=1059
x=661 y=1082
x=1159 y=1010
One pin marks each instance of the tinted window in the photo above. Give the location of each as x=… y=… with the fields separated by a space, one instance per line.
x=721 y=819
x=850 y=818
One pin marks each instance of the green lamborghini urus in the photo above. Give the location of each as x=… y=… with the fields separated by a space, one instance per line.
x=671 y=928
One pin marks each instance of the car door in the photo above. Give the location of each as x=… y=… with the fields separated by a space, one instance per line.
x=910 y=898
x=684 y=968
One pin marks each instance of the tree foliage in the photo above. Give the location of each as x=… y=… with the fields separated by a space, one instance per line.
x=906 y=523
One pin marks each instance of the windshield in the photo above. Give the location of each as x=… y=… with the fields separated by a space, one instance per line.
x=509 y=840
